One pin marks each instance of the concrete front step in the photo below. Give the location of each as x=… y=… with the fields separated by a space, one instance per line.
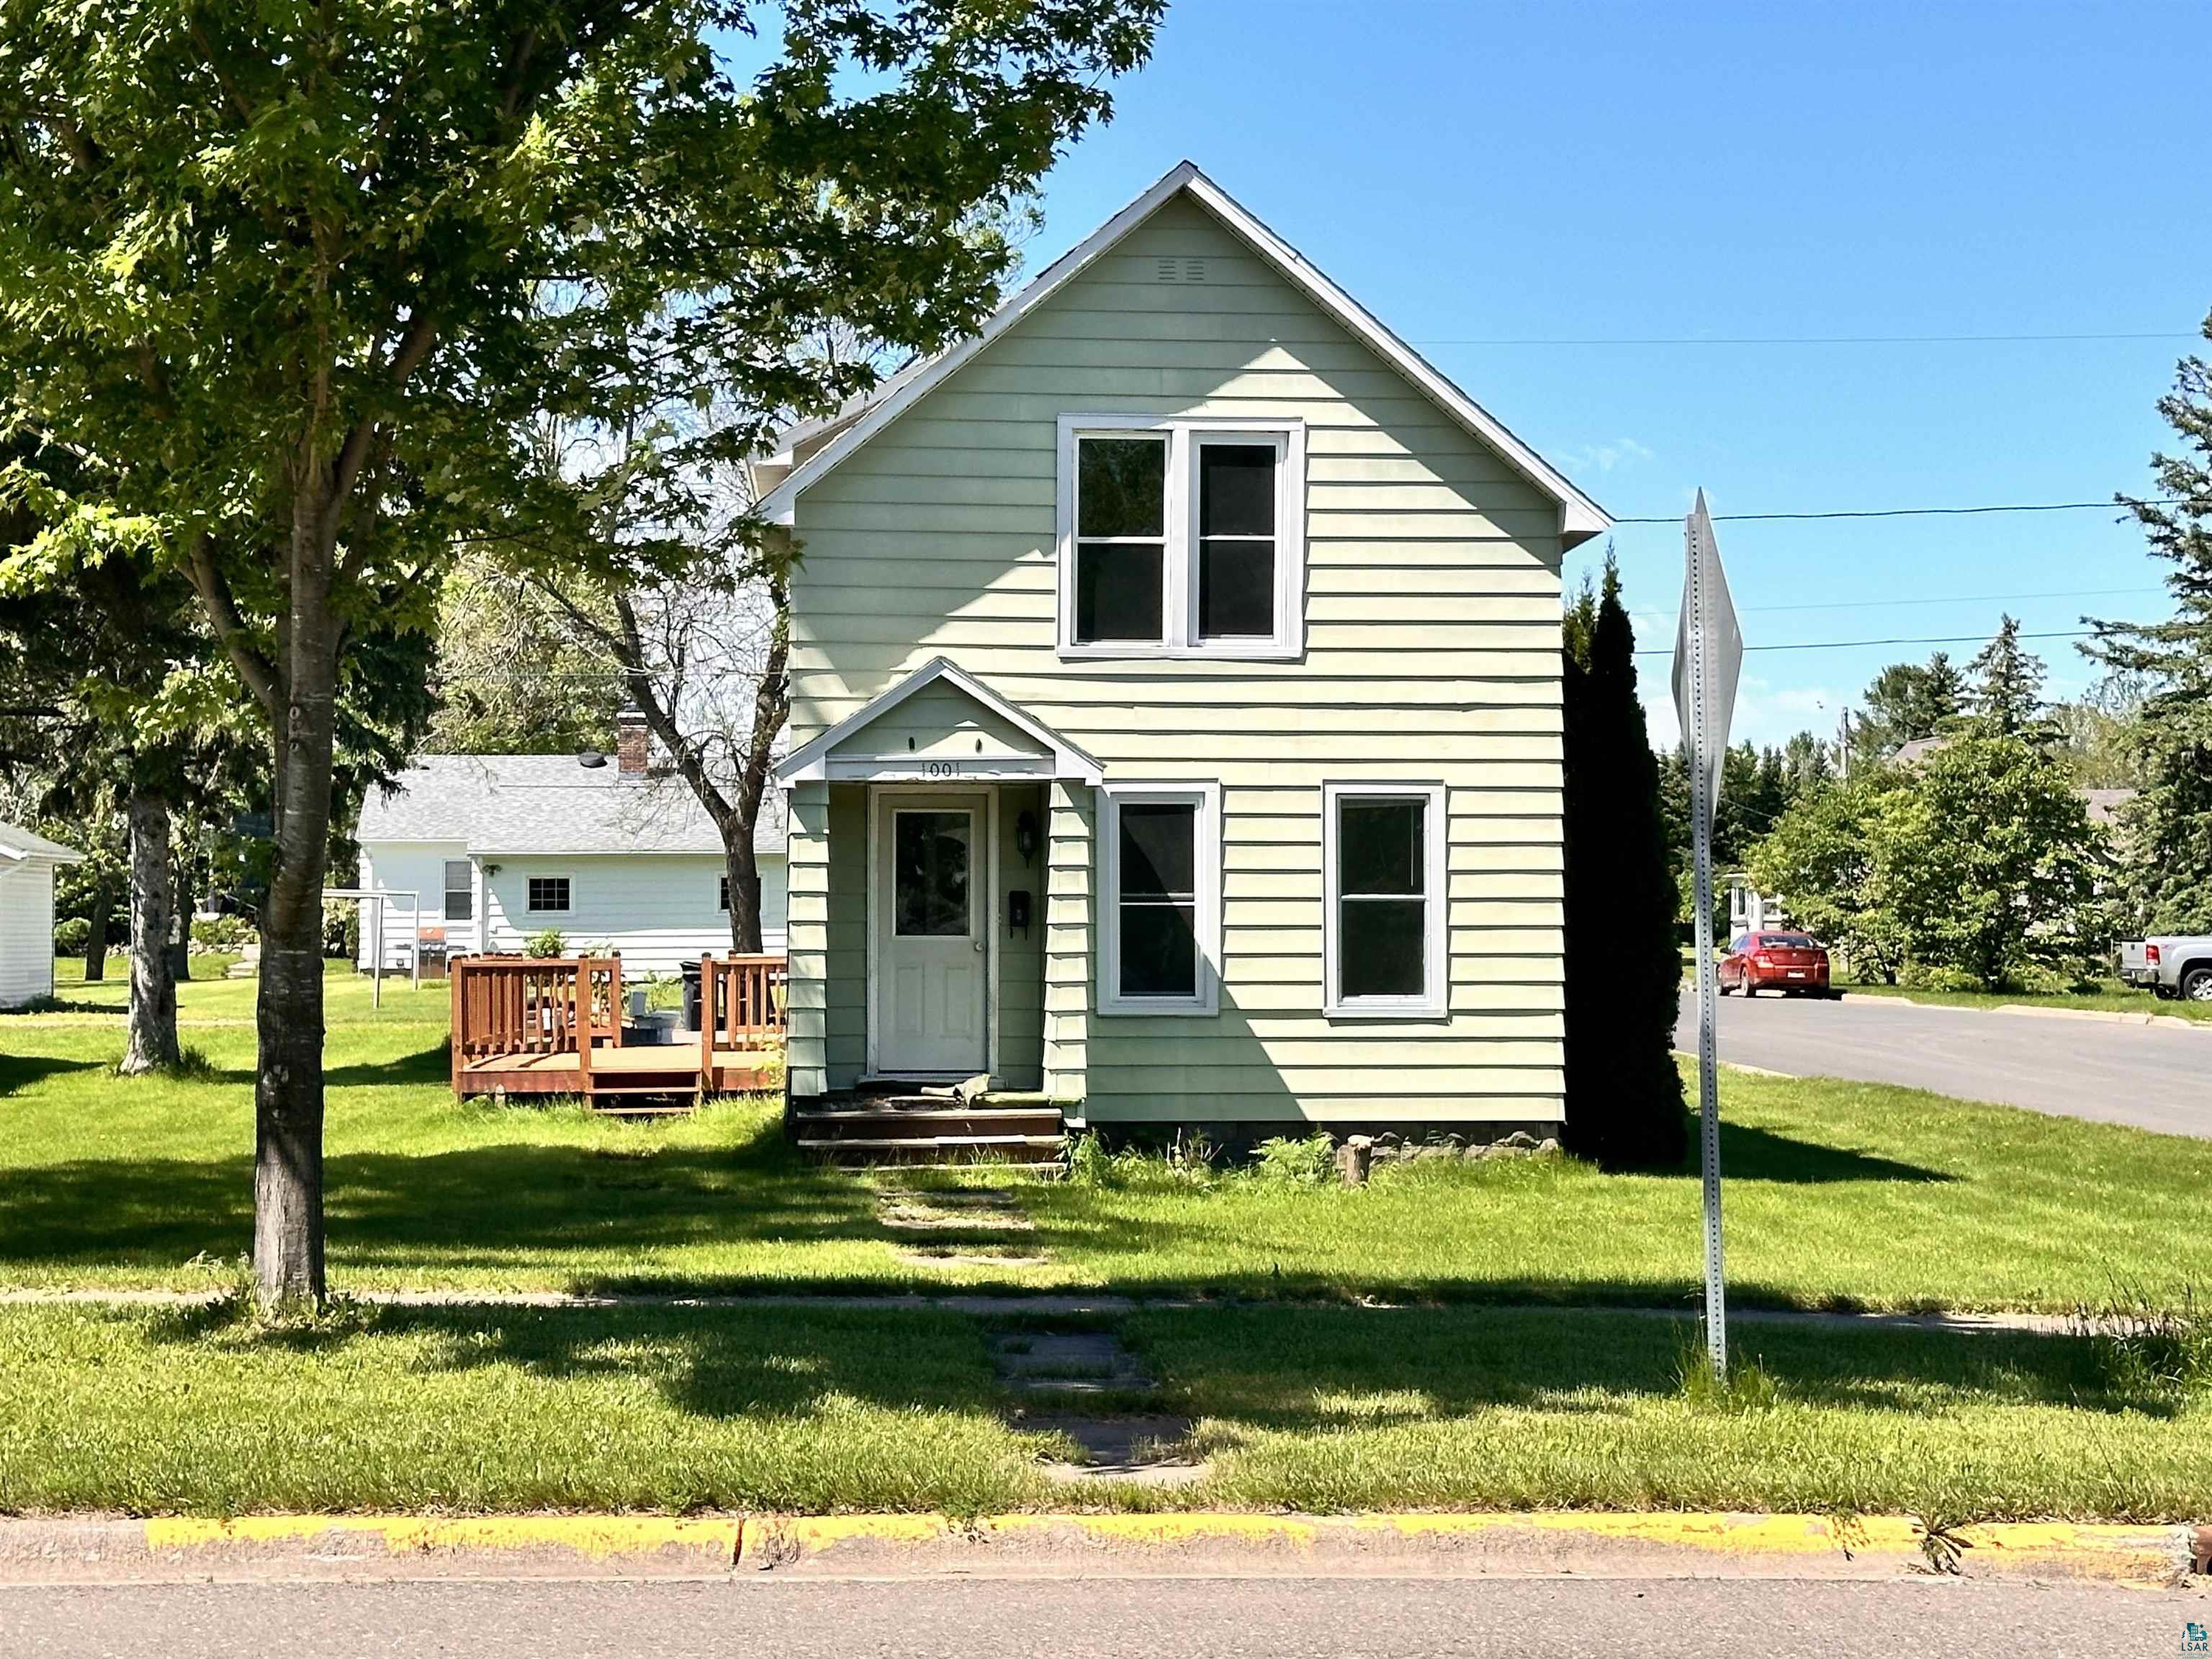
x=1030 y=1150
x=936 y=1124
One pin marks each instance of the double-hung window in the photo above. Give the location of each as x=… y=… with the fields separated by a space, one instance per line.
x=1181 y=537
x=1159 y=869
x=1384 y=933
x=460 y=891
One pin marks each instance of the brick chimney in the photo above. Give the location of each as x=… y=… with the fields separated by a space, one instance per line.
x=633 y=744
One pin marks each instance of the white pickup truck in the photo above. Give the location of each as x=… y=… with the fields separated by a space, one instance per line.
x=2170 y=965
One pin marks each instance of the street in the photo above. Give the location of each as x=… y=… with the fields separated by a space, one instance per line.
x=1282 y=1618
x=2152 y=1077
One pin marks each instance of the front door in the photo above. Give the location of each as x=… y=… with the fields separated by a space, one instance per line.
x=932 y=954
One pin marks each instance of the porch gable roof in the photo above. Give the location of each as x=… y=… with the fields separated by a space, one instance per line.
x=1051 y=756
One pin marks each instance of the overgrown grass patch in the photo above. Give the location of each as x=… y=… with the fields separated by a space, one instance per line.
x=1319 y=1408
x=1333 y=1408
x=471 y=1410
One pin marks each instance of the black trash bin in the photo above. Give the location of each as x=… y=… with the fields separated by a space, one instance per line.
x=690 y=995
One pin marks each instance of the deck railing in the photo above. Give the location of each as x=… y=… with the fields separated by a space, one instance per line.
x=535 y=1005
x=741 y=1003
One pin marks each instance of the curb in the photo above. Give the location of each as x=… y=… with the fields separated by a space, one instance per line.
x=2038 y=1010
x=113 y=1549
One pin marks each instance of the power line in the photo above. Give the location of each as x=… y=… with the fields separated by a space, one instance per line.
x=1913 y=511
x=1953 y=599
x=1853 y=645
x=1812 y=339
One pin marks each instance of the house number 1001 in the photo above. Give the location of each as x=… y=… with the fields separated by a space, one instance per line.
x=941 y=769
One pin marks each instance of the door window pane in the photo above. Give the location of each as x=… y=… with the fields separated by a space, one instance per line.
x=1237 y=540
x=929 y=873
x=1382 y=897
x=1157 y=903
x=1121 y=538
x=460 y=893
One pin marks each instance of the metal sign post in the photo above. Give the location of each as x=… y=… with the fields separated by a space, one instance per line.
x=1708 y=657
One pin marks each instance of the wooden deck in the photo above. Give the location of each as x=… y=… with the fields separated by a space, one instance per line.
x=553 y=1026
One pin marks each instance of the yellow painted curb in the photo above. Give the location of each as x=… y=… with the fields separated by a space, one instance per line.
x=597 y=1537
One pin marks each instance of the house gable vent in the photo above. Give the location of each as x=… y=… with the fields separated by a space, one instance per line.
x=1168 y=268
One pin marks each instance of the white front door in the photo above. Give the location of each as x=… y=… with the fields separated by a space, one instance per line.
x=932 y=940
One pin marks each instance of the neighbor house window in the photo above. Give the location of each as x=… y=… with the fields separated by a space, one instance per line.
x=1160 y=866
x=460 y=891
x=722 y=894
x=1383 y=935
x=549 y=892
x=1181 y=537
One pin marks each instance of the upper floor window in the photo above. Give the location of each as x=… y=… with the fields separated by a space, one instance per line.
x=1181 y=536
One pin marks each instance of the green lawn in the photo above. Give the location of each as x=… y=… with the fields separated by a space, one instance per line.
x=2110 y=996
x=1838 y=1194
x=1305 y=1407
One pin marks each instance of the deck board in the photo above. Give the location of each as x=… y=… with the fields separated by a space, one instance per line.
x=736 y=1069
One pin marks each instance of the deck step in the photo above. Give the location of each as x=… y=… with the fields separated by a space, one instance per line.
x=907 y=1126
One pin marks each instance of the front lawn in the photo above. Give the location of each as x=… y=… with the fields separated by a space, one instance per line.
x=2110 y=996
x=1304 y=1407
x=1838 y=1193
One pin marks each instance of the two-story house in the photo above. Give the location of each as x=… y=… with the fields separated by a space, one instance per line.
x=1175 y=720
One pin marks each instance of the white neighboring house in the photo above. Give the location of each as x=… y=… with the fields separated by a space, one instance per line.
x=617 y=855
x=28 y=863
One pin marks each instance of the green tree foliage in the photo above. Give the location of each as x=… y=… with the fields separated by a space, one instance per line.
x=510 y=678
x=2169 y=825
x=2095 y=733
x=2007 y=686
x=1625 y=1105
x=276 y=278
x=1907 y=701
x=1978 y=863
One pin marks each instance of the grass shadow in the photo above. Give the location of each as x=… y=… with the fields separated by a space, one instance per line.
x=1754 y=1154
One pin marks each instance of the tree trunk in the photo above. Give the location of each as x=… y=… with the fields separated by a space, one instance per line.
x=744 y=874
x=288 y=1090
x=187 y=901
x=95 y=938
x=150 y=1041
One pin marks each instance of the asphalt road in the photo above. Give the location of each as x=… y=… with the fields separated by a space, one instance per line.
x=1103 y=1619
x=2152 y=1077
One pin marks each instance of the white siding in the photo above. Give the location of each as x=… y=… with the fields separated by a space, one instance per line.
x=410 y=866
x=657 y=909
x=1432 y=655
x=27 y=931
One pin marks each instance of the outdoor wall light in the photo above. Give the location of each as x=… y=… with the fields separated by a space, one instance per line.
x=1026 y=834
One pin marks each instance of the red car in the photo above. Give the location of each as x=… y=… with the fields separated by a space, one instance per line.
x=1789 y=963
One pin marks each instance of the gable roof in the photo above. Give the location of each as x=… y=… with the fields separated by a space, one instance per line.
x=1580 y=518
x=17 y=844
x=811 y=760
x=524 y=803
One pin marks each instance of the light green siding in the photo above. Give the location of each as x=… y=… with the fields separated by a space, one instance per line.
x=1021 y=955
x=941 y=722
x=1432 y=654
x=847 y=958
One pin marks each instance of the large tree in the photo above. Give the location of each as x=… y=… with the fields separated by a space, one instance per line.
x=1908 y=699
x=2169 y=840
x=2005 y=691
x=273 y=277
x=1625 y=1105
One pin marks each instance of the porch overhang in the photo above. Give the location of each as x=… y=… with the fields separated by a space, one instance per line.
x=990 y=738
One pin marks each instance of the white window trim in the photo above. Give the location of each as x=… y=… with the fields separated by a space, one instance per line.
x=1207 y=876
x=1180 y=579
x=530 y=910
x=1435 y=1000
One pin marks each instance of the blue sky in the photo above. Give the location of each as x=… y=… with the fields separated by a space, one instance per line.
x=1520 y=173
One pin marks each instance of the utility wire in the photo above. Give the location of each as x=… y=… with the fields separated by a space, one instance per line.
x=1912 y=512
x=1852 y=645
x=1812 y=339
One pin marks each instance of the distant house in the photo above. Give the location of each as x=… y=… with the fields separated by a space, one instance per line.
x=614 y=854
x=28 y=863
